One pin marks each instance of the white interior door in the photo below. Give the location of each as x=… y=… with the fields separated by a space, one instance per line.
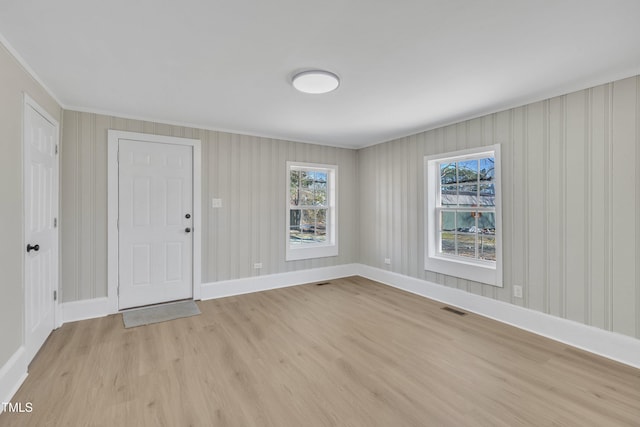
x=155 y=222
x=40 y=227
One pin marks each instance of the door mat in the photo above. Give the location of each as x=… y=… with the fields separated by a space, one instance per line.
x=159 y=313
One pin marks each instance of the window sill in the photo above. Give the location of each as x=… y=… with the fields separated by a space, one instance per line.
x=294 y=254
x=484 y=273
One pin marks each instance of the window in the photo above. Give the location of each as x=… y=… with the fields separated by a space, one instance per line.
x=311 y=211
x=463 y=215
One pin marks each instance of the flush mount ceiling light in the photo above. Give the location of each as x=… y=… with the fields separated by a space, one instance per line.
x=315 y=81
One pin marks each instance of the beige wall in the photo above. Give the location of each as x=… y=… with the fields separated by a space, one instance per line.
x=247 y=173
x=14 y=82
x=571 y=203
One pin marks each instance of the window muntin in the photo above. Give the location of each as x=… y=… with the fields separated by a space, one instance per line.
x=462 y=214
x=311 y=211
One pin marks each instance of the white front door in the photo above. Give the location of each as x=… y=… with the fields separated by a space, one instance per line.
x=40 y=226
x=155 y=221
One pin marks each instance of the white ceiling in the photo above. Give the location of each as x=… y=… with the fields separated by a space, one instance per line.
x=405 y=66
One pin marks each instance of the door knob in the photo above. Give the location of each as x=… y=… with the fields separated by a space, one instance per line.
x=188 y=230
x=31 y=247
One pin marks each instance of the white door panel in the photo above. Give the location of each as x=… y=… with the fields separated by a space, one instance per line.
x=40 y=231
x=155 y=242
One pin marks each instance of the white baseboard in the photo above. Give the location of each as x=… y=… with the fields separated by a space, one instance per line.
x=611 y=345
x=618 y=347
x=12 y=375
x=100 y=307
x=227 y=288
x=85 y=309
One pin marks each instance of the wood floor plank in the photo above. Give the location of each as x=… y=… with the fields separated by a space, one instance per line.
x=351 y=353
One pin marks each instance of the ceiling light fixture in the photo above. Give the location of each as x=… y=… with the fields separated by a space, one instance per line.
x=316 y=81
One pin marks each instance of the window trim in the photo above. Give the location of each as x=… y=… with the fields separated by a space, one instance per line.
x=314 y=250
x=478 y=271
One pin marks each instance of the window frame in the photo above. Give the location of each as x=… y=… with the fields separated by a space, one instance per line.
x=321 y=249
x=482 y=271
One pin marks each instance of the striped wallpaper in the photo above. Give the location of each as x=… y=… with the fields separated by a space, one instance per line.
x=571 y=203
x=248 y=173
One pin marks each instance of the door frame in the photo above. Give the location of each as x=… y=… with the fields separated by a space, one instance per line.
x=113 y=143
x=29 y=102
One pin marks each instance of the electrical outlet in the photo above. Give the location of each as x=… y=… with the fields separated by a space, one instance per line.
x=257 y=265
x=517 y=291
x=216 y=203
x=387 y=261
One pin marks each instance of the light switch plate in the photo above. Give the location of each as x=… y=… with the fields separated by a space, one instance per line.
x=216 y=203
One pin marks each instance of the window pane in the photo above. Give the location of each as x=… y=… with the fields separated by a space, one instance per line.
x=468 y=171
x=466 y=222
x=448 y=173
x=449 y=195
x=306 y=197
x=466 y=235
x=305 y=192
x=466 y=241
x=448 y=221
x=308 y=225
x=293 y=188
x=320 y=189
x=448 y=242
x=487 y=169
x=320 y=177
x=487 y=195
x=487 y=222
x=448 y=233
x=468 y=195
x=306 y=179
x=487 y=247
x=321 y=225
x=294 y=226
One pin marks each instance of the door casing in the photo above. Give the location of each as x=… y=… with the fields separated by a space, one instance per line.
x=114 y=136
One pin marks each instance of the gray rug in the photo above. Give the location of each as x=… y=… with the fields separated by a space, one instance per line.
x=159 y=313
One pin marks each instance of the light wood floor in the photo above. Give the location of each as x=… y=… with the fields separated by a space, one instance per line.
x=351 y=353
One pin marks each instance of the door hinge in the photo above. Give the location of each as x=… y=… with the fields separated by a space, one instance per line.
x=55 y=222
x=118 y=156
x=55 y=295
x=118 y=224
x=56 y=148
